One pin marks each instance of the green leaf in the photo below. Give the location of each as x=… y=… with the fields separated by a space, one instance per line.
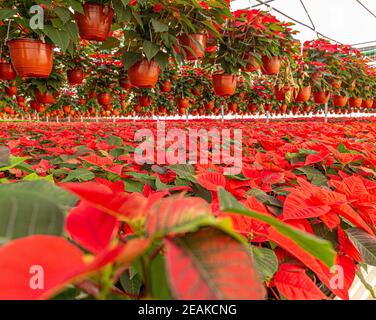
x=14 y=162
x=159 y=282
x=159 y=26
x=34 y=177
x=314 y=176
x=319 y=248
x=130 y=59
x=131 y=283
x=4 y=156
x=76 y=6
x=115 y=141
x=7 y=13
x=365 y=243
x=184 y=171
x=58 y=37
x=72 y=29
x=80 y=175
x=110 y=43
x=150 y=49
x=162 y=59
x=63 y=13
x=32 y=207
x=266 y=262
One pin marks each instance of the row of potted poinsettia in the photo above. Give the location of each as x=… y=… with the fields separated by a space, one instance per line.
x=149 y=35
x=152 y=33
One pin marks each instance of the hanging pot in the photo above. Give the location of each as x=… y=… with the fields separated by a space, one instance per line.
x=104 y=99
x=194 y=45
x=95 y=23
x=321 y=97
x=304 y=94
x=183 y=102
x=340 y=101
x=31 y=58
x=367 y=103
x=284 y=93
x=224 y=84
x=271 y=66
x=355 y=102
x=144 y=74
x=6 y=71
x=75 y=76
x=45 y=98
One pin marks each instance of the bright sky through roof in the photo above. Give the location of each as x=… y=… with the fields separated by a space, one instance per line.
x=343 y=20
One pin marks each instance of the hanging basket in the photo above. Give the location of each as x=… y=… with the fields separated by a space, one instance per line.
x=144 y=74
x=194 y=45
x=321 y=97
x=95 y=23
x=75 y=76
x=271 y=66
x=6 y=71
x=304 y=94
x=31 y=58
x=224 y=85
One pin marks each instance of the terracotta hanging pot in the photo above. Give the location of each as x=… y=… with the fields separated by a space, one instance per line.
x=286 y=92
x=367 y=103
x=45 y=98
x=31 y=58
x=271 y=66
x=233 y=107
x=304 y=94
x=340 y=101
x=355 y=102
x=144 y=74
x=194 y=45
x=183 y=102
x=95 y=23
x=321 y=97
x=224 y=85
x=104 y=99
x=75 y=76
x=268 y=107
x=209 y=105
x=6 y=71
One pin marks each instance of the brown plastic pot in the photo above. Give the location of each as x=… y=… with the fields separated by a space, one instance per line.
x=367 y=104
x=194 y=45
x=144 y=74
x=31 y=58
x=321 y=97
x=304 y=94
x=104 y=99
x=355 y=102
x=75 y=76
x=340 y=101
x=282 y=93
x=95 y=23
x=183 y=102
x=271 y=66
x=6 y=71
x=224 y=85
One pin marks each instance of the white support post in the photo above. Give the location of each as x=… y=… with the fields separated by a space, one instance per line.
x=326 y=113
x=222 y=113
